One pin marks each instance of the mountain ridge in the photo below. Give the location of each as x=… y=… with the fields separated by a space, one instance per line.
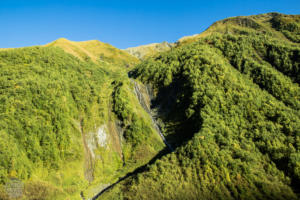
x=263 y=21
x=95 y=50
x=84 y=119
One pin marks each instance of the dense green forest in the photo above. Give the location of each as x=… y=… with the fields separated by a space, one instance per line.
x=51 y=106
x=39 y=106
x=229 y=101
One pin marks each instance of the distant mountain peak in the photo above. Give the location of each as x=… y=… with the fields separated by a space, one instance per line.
x=62 y=40
x=148 y=50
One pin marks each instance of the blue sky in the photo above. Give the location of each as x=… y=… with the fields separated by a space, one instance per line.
x=121 y=23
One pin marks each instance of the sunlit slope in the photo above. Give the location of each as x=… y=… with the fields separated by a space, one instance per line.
x=145 y=51
x=96 y=51
x=281 y=26
x=68 y=127
x=46 y=96
x=230 y=104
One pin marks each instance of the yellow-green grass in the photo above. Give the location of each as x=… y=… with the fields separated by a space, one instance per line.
x=95 y=50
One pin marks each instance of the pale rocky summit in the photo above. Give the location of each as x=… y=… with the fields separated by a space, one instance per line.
x=145 y=51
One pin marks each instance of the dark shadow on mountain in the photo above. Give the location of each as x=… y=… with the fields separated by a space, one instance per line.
x=171 y=104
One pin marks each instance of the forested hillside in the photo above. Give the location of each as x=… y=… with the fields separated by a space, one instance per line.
x=228 y=99
x=68 y=127
x=280 y=26
x=76 y=123
x=39 y=107
x=95 y=51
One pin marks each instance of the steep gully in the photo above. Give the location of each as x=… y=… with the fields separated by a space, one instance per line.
x=142 y=101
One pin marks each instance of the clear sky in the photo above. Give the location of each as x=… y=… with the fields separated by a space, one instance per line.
x=121 y=23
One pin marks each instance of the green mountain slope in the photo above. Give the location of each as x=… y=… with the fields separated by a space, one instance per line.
x=228 y=99
x=68 y=127
x=73 y=125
